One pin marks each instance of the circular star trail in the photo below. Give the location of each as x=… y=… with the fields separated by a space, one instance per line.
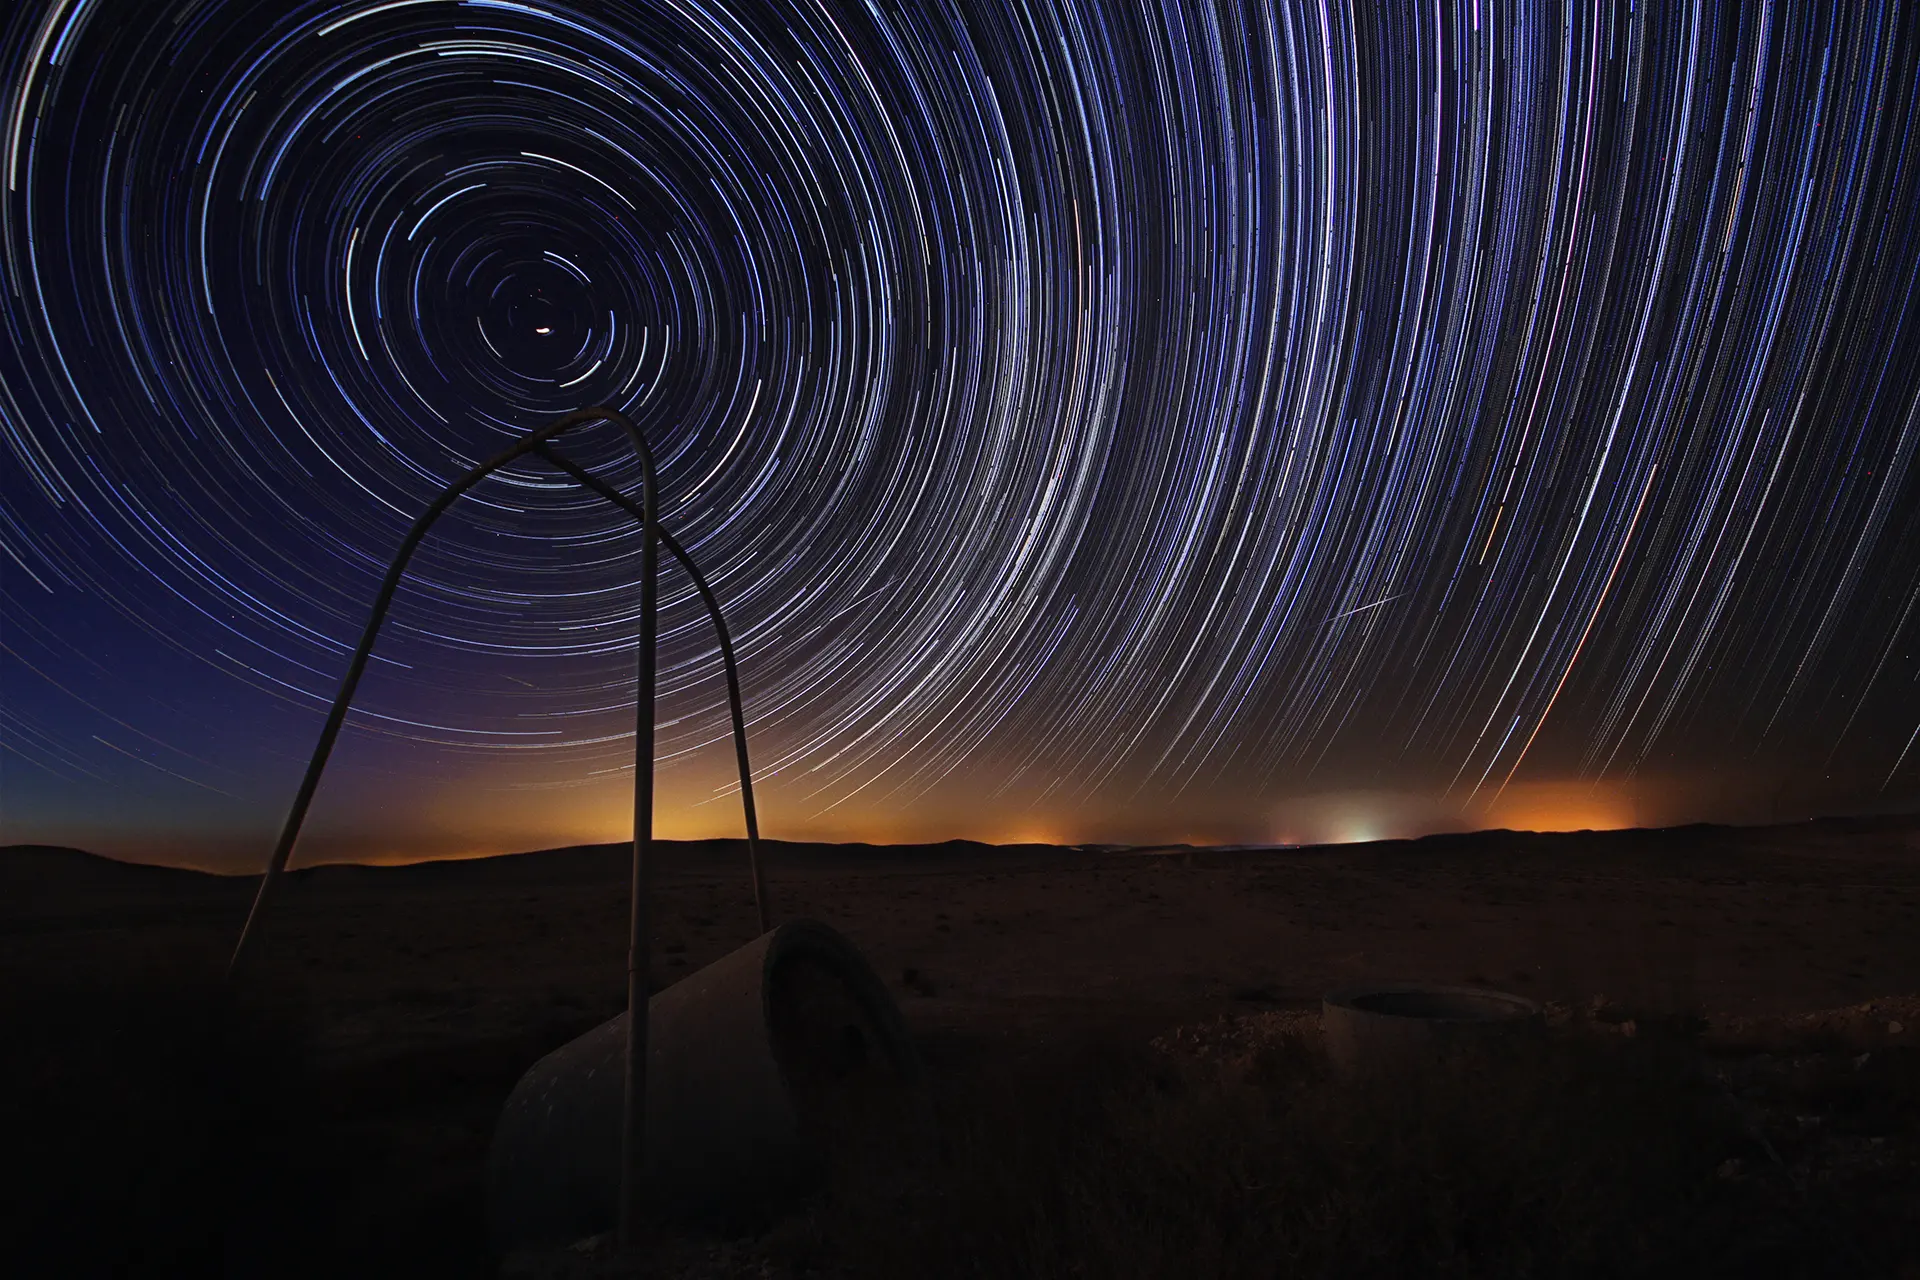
x=1076 y=406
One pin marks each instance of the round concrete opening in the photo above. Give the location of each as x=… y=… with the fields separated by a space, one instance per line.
x=759 y=1065
x=837 y=1051
x=1397 y=1022
x=824 y=1036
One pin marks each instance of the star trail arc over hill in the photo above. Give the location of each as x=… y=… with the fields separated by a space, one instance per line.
x=1088 y=414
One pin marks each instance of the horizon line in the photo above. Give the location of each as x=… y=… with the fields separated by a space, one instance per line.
x=1073 y=846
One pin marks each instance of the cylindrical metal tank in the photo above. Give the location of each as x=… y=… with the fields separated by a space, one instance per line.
x=751 y=1062
x=1392 y=1023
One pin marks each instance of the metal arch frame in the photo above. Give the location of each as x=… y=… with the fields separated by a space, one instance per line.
x=727 y=662
x=633 y=1102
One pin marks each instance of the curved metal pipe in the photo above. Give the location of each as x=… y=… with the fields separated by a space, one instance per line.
x=336 y=715
x=701 y=585
x=634 y=1093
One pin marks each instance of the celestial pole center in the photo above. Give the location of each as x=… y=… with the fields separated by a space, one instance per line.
x=1095 y=417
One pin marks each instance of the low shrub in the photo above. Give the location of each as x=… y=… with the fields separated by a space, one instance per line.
x=153 y=1126
x=1576 y=1155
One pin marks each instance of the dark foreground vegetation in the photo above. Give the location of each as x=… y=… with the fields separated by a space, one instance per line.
x=163 y=1127
x=1586 y=1154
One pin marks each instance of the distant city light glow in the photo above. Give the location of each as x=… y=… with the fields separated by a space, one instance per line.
x=1099 y=419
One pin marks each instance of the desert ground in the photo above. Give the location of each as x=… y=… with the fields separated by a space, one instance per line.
x=418 y=994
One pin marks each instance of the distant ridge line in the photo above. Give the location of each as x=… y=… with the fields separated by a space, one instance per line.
x=19 y=862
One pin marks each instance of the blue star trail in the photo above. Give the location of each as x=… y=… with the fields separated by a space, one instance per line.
x=1083 y=410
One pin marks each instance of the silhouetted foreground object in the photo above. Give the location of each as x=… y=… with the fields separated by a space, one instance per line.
x=151 y=1123
x=638 y=936
x=755 y=1063
x=1396 y=1023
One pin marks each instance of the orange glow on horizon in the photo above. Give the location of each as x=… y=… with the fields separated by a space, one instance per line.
x=489 y=807
x=1562 y=806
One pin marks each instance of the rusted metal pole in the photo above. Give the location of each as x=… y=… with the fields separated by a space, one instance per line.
x=740 y=755
x=727 y=662
x=633 y=1107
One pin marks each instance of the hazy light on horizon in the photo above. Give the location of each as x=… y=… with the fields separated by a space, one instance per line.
x=1087 y=434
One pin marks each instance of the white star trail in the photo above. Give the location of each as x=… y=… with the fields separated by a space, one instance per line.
x=1056 y=393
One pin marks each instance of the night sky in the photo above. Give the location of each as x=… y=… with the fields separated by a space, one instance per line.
x=1100 y=421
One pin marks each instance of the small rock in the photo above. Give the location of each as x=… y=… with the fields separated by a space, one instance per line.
x=1629 y=1028
x=1730 y=1168
x=1894 y=1028
x=1861 y=1061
